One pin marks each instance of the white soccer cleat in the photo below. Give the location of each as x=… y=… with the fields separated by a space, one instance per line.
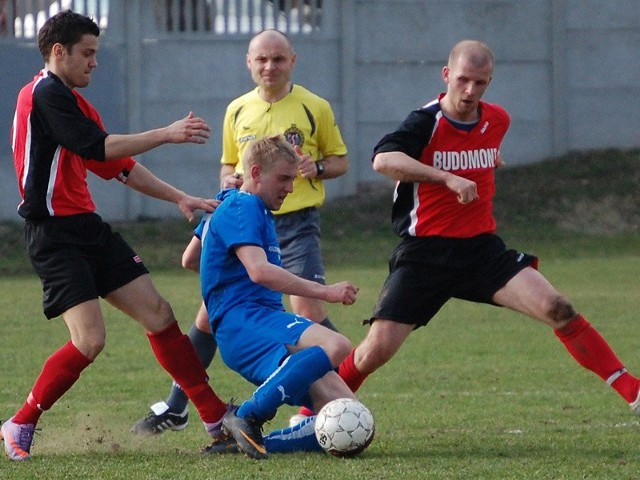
x=296 y=419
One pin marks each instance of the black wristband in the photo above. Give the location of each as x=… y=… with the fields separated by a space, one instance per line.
x=319 y=168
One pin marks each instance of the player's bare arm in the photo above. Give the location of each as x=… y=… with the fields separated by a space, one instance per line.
x=332 y=166
x=326 y=168
x=190 y=129
x=277 y=278
x=402 y=168
x=191 y=255
x=143 y=181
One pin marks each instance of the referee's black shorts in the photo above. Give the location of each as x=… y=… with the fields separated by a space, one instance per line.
x=78 y=258
x=425 y=272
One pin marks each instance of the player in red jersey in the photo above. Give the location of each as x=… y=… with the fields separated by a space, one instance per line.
x=56 y=137
x=443 y=158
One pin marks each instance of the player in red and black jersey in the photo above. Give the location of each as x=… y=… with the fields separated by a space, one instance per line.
x=56 y=137
x=469 y=150
x=443 y=158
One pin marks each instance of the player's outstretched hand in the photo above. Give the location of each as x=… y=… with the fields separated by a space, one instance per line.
x=190 y=129
x=189 y=205
x=343 y=292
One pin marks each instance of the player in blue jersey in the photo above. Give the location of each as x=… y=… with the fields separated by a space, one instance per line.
x=277 y=105
x=291 y=358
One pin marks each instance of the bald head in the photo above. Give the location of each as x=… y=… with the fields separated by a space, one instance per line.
x=271 y=61
x=271 y=36
x=477 y=53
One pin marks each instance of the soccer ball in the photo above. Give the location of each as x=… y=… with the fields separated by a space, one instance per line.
x=344 y=427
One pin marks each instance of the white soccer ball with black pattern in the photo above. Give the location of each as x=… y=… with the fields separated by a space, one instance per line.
x=344 y=427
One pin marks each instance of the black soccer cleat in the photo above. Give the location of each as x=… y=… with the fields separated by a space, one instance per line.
x=160 y=419
x=225 y=445
x=248 y=434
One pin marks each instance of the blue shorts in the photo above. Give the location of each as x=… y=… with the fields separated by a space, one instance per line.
x=299 y=239
x=252 y=339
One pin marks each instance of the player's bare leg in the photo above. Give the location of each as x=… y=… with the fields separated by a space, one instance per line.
x=529 y=292
x=384 y=339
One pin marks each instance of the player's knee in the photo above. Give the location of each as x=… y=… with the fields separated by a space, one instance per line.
x=161 y=313
x=202 y=321
x=372 y=355
x=560 y=310
x=337 y=349
x=90 y=345
x=310 y=308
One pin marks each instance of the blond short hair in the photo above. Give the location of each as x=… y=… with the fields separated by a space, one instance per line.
x=266 y=151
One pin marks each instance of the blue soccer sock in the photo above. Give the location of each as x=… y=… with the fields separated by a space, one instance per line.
x=299 y=438
x=288 y=384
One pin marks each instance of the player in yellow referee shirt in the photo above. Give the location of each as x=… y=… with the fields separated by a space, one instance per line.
x=275 y=106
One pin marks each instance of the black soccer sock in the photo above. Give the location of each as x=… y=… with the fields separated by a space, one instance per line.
x=205 y=346
x=327 y=323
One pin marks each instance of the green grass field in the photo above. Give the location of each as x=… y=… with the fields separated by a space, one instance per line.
x=481 y=393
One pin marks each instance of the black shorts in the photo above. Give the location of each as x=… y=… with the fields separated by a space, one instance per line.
x=424 y=273
x=78 y=258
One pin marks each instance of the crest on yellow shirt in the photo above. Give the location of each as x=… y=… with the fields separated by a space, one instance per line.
x=294 y=136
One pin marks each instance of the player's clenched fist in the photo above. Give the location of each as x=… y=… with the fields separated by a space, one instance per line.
x=343 y=292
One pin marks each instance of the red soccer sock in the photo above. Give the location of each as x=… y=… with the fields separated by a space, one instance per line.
x=592 y=351
x=59 y=373
x=307 y=412
x=177 y=356
x=350 y=374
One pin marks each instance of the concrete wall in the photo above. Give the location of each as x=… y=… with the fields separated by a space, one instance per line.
x=565 y=70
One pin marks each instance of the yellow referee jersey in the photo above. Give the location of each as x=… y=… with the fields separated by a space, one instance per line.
x=304 y=118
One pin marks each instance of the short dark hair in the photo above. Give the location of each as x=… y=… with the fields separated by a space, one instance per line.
x=66 y=28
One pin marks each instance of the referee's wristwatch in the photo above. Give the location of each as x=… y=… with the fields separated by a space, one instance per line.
x=319 y=168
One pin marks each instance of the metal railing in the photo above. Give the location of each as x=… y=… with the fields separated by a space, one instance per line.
x=21 y=19
x=240 y=16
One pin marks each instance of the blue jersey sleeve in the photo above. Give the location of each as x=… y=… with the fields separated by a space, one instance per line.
x=203 y=227
x=240 y=221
